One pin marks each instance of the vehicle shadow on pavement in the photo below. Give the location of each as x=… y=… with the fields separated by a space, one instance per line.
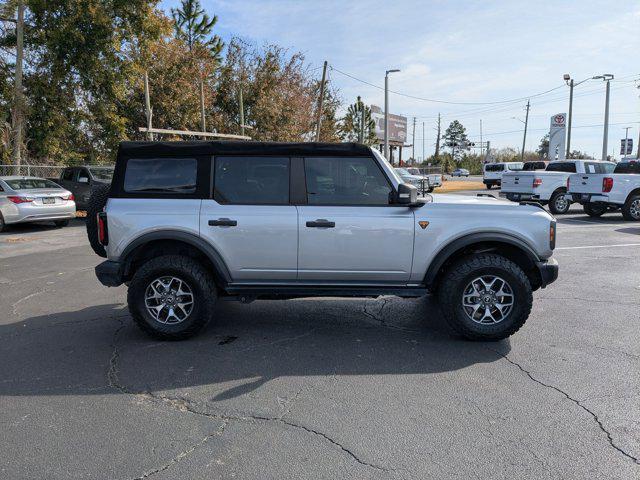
x=32 y=228
x=98 y=350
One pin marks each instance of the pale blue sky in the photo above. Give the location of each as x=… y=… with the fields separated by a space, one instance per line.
x=464 y=51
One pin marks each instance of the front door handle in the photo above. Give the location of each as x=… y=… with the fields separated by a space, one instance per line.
x=321 y=223
x=223 y=222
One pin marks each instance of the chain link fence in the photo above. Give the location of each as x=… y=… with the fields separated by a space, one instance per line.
x=42 y=171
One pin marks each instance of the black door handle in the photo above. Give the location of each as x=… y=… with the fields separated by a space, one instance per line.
x=321 y=223
x=223 y=222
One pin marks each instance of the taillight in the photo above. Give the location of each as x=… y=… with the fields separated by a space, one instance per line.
x=607 y=184
x=552 y=235
x=69 y=197
x=568 y=178
x=17 y=199
x=103 y=232
x=537 y=182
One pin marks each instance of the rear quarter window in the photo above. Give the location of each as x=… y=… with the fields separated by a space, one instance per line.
x=161 y=175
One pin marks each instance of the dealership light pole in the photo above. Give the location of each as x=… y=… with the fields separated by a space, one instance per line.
x=386 y=111
x=607 y=77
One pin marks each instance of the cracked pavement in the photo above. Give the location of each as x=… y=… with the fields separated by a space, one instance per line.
x=319 y=388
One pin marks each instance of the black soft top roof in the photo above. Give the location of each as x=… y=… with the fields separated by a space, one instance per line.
x=241 y=148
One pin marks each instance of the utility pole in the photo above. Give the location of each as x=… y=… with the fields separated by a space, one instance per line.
x=386 y=112
x=638 y=153
x=481 y=147
x=362 y=123
x=18 y=100
x=413 y=147
x=360 y=120
x=241 y=102
x=423 y=157
x=203 y=121
x=437 y=154
x=567 y=155
x=486 y=158
x=524 y=138
x=606 y=77
x=321 y=100
x=147 y=107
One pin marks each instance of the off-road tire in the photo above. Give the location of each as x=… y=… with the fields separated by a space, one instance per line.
x=3 y=225
x=95 y=205
x=554 y=205
x=61 y=223
x=187 y=269
x=594 y=211
x=461 y=273
x=631 y=206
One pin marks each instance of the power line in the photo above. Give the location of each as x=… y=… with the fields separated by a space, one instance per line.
x=445 y=101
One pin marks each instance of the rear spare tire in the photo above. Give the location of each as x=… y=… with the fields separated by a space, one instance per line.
x=95 y=205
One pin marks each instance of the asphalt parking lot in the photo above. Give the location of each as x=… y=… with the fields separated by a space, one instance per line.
x=320 y=388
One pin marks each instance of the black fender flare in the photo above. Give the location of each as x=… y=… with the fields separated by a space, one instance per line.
x=445 y=253
x=221 y=270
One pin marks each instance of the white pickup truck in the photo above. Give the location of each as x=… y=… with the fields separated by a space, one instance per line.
x=549 y=186
x=599 y=193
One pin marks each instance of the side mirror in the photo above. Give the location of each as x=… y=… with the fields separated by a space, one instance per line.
x=407 y=194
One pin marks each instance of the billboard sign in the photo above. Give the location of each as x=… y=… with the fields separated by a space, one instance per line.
x=629 y=146
x=557 y=137
x=397 y=125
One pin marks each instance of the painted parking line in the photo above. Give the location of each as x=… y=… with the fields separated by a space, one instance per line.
x=600 y=246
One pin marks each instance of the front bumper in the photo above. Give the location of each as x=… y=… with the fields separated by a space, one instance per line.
x=110 y=273
x=548 y=270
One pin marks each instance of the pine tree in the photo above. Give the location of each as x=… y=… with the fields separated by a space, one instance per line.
x=194 y=26
x=352 y=128
x=455 y=137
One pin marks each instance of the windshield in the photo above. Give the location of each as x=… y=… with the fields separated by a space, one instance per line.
x=402 y=171
x=104 y=174
x=31 y=183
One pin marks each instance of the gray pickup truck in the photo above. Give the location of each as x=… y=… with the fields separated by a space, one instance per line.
x=186 y=223
x=82 y=180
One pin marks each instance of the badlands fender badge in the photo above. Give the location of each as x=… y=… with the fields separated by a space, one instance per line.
x=423 y=224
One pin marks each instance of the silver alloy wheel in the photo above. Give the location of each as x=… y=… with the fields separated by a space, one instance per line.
x=562 y=203
x=488 y=300
x=634 y=209
x=169 y=300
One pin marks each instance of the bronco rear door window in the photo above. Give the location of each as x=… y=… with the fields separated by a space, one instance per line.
x=161 y=175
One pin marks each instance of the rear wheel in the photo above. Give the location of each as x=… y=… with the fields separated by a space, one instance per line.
x=172 y=297
x=95 y=205
x=61 y=223
x=2 y=224
x=559 y=203
x=631 y=208
x=594 y=210
x=488 y=185
x=485 y=297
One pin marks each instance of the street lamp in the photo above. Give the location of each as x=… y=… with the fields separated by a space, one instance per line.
x=605 y=77
x=386 y=112
x=569 y=81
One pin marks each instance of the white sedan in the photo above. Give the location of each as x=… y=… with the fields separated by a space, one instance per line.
x=32 y=199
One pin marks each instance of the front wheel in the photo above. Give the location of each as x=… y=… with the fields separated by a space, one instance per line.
x=488 y=185
x=593 y=210
x=485 y=297
x=559 y=203
x=172 y=297
x=631 y=208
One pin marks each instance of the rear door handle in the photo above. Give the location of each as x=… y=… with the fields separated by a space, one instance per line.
x=321 y=223
x=223 y=222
